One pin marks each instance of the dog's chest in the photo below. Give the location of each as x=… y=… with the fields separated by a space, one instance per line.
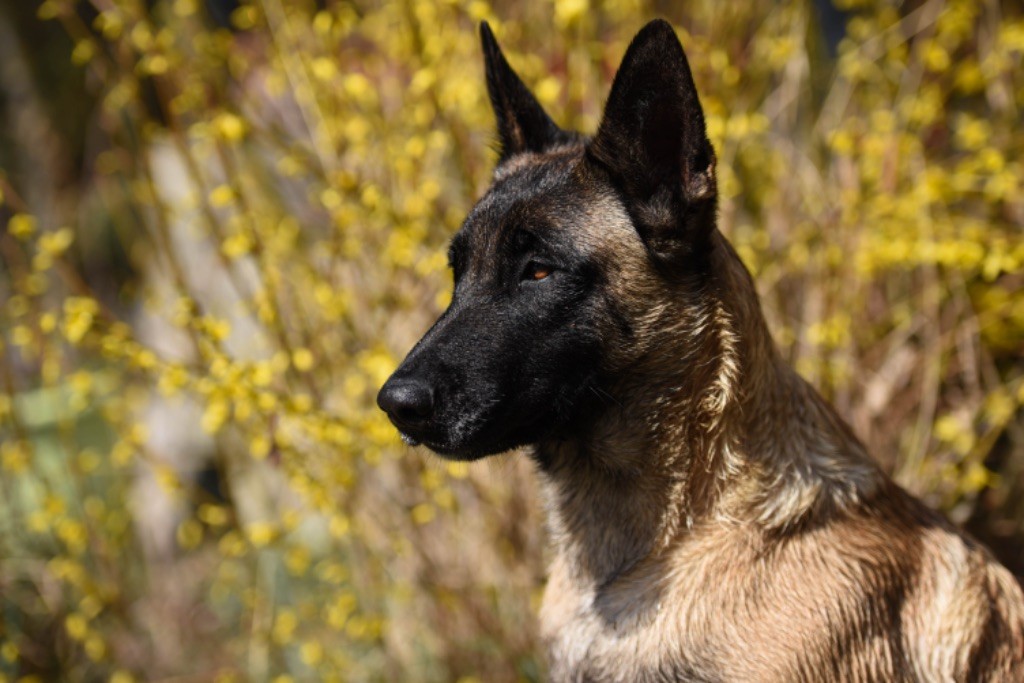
x=651 y=626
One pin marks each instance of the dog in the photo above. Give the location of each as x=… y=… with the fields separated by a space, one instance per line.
x=711 y=516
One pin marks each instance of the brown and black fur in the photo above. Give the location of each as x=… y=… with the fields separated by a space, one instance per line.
x=712 y=518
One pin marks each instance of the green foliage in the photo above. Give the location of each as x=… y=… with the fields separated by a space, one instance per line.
x=194 y=479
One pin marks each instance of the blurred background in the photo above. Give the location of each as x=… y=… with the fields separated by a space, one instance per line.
x=223 y=223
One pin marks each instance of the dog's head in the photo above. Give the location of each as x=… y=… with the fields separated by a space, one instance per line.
x=565 y=260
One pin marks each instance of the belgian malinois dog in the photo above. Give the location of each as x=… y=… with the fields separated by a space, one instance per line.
x=712 y=518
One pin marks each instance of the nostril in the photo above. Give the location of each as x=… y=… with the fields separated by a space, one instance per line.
x=406 y=400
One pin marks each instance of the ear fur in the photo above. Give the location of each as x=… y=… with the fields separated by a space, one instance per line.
x=652 y=142
x=523 y=125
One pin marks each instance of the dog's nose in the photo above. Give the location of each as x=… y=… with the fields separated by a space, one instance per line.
x=406 y=401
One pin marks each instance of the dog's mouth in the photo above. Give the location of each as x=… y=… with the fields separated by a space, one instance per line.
x=436 y=436
x=469 y=436
x=438 y=445
x=444 y=446
x=421 y=435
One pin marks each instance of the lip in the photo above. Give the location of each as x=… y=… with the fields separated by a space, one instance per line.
x=409 y=439
x=434 y=435
x=418 y=435
x=442 y=448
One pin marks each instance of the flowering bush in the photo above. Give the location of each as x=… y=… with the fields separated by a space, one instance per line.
x=194 y=479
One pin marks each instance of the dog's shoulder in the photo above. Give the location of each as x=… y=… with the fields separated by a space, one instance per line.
x=964 y=616
x=888 y=590
x=908 y=587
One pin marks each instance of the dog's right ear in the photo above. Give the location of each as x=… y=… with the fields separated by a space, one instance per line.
x=523 y=125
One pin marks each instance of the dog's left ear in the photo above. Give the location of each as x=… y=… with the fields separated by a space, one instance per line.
x=523 y=125
x=653 y=143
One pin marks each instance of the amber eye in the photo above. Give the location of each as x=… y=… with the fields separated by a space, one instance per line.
x=536 y=271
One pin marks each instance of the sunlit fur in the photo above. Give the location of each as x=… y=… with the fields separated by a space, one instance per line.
x=711 y=517
x=721 y=523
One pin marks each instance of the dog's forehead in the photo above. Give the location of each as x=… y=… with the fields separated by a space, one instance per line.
x=533 y=191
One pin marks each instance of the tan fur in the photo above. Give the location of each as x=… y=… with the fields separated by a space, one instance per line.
x=723 y=524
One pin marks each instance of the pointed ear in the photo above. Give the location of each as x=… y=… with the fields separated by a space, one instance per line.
x=653 y=143
x=523 y=126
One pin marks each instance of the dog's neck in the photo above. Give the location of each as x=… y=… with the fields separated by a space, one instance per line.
x=727 y=435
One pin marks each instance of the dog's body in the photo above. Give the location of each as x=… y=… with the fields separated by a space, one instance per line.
x=712 y=518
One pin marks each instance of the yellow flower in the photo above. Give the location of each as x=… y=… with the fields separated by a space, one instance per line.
x=935 y=57
x=76 y=625
x=322 y=22
x=189 y=534
x=95 y=648
x=302 y=359
x=548 y=90
x=237 y=245
x=74 y=535
x=85 y=50
x=153 y=65
x=261 y=534
x=222 y=196
x=57 y=242
x=423 y=513
x=301 y=403
x=324 y=68
x=22 y=226
x=231 y=544
x=569 y=11
x=339 y=526
x=297 y=560
x=311 y=652
x=260 y=446
x=284 y=627
x=79 y=313
x=51 y=9
x=214 y=515
x=216 y=414
x=973 y=133
x=14 y=456
x=230 y=128
x=184 y=8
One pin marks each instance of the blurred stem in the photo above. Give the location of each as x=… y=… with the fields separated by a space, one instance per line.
x=279 y=27
x=465 y=165
x=275 y=294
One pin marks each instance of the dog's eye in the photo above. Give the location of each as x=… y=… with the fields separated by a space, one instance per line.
x=536 y=271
